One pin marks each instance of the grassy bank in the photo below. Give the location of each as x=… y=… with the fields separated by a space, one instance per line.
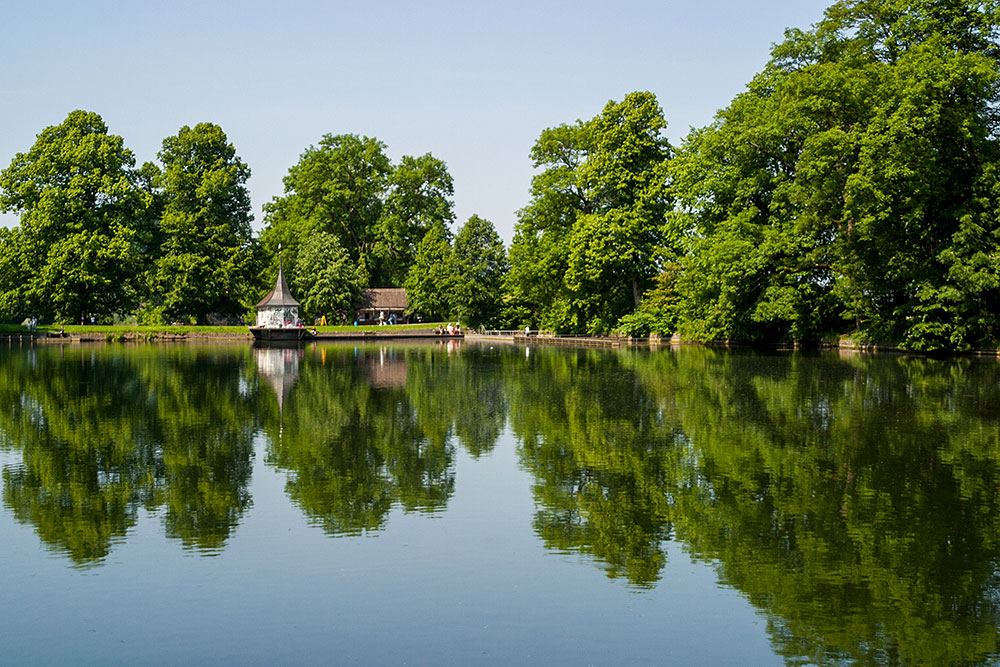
x=136 y=332
x=375 y=327
x=77 y=330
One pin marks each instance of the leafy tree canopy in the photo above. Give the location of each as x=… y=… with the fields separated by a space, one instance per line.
x=208 y=260
x=83 y=219
x=432 y=283
x=481 y=262
x=327 y=280
x=379 y=212
x=853 y=183
x=590 y=240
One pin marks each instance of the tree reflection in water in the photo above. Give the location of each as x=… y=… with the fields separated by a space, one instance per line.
x=852 y=499
x=370 y=427
x=354 y=443
x=102 y=435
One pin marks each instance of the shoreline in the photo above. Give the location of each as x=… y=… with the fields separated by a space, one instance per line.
x=132 y=336
x=427 y=335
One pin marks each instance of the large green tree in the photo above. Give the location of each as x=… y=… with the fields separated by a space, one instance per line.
x=431 y=285
x=852 y=184
x=326 y=280
x=418 y=197
x=594 y=234
x=84 y=218
x=481 y=264
x=348 y=187
x=15 y=271
x=208 y=261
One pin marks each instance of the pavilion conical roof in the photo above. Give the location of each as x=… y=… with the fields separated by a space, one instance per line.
x=279 y=297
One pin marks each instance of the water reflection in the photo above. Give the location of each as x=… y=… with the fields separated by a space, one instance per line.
x=853 y=500
x=386 y=370
x=357 y=439
x=101 y=437
x=600 y=451
x=279 y=366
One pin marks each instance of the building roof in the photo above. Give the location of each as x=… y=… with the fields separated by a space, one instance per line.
x=386 y=373
x=279 y=297
x=383 y=298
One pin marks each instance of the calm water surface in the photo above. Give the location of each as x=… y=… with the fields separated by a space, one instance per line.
x=496 y=505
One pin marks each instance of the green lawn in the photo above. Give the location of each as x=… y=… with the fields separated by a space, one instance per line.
x=375 y=327
x=134 y=328
x=121 y=329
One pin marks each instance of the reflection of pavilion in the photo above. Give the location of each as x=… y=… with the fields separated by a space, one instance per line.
x=280 y=367
x=386 y=370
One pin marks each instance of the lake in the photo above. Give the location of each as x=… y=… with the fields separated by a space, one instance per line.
x=495 y=504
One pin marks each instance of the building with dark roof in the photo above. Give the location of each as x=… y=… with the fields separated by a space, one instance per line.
x=377 y=304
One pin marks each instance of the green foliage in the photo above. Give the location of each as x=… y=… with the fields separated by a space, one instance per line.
x=433 y=280
x=853 y=182
x=83 y=222
x=851 y=188
x=481 y=263
x=590 y=241
x=208 y=262
x=418 y=198
x=657 y=312
x=15 y=272
x=326 y=280
x=533 y=284
x=378 y=211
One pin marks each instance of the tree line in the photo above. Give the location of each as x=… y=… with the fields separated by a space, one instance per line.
x=850 y=189
x=102 y=238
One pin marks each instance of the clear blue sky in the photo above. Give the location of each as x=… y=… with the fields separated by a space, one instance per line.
x=472 y=83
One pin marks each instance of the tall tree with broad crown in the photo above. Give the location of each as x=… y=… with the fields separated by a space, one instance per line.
x=481 y=263
x=418 y=197
x=592 y=238
x=83 y=218
x=852 y=183
x=208 y=262
x=379 y=212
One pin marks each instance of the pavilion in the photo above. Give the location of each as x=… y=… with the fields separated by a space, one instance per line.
x=278 y=308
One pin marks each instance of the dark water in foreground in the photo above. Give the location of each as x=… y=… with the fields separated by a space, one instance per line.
x=476 y=504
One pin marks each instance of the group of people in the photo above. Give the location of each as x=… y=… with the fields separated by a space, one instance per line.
x=450 y=330
x=340 y=318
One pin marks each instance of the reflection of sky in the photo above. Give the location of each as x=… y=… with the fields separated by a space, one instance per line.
x=471 y=584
